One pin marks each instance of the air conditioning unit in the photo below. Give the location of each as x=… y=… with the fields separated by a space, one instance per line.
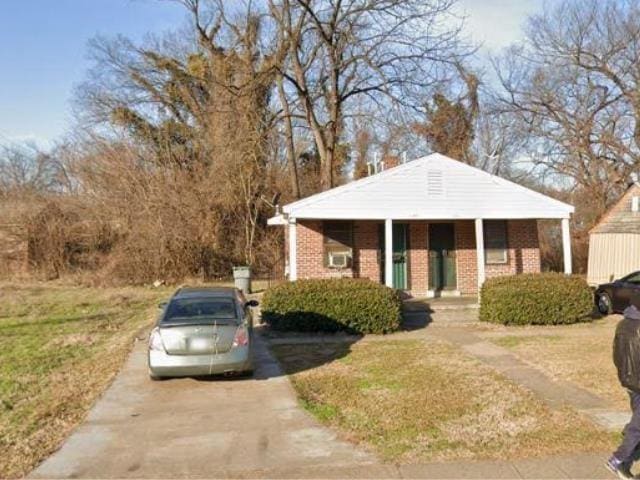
x=339 y=260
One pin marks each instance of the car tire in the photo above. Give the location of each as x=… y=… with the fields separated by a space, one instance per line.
x=155 y=378
x=604 y=304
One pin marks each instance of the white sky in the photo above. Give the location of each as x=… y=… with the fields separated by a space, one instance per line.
x=497 y=23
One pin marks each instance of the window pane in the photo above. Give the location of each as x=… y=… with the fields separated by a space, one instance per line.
x=493 y=255
x=338 y=240
x=337 y=233
x=189 y=309
x=495 y=241
x=634 y=278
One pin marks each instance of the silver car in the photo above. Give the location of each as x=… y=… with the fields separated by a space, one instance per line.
x=202 y=331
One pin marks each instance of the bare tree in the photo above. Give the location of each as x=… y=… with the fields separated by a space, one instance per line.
x=573 y=86
x=338 y=52
x=26 y=169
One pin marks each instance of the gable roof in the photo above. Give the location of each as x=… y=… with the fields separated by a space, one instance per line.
x=432 y=187
x=619 y=218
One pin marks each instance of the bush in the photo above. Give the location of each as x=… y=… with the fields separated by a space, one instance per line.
x=355 y=306
x=536 y=299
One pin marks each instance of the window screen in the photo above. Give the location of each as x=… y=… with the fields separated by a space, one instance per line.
x=338 y=239
x=495 y=242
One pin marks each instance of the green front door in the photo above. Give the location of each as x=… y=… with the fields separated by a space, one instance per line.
x=442 y=257
x=400 y=259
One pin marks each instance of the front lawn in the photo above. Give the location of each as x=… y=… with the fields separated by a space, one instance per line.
x=581 y=354
x=60 y=346
x=423 y=400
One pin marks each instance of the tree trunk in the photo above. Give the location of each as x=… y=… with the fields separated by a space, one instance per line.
x=290 y=145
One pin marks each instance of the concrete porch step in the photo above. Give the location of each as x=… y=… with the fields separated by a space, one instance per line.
x=438 y=304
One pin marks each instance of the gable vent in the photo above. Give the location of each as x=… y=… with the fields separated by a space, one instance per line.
x=635 y=204
x=435 y=183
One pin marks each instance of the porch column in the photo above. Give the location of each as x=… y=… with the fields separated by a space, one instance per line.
x=566 y=246
x=388 y=252
x=480 y=252
x=293 y=254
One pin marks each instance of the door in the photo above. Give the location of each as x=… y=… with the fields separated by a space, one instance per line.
x=400 y=260
x=442 y=257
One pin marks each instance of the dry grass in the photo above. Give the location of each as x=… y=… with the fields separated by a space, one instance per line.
x=581 y=354
x=60 y=346
x=415 y=401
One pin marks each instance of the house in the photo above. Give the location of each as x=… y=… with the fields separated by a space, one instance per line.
x=449 y=226
x=614 y=242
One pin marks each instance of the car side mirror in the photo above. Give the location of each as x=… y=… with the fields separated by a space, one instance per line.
x=252 y=303
x=162 y=304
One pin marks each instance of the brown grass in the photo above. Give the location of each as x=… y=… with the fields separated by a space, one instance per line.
x=415 y=401
x=60 y=347
x=581 y=354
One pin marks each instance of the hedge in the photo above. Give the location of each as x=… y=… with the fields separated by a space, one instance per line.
x=351 y=305
x=536 y=299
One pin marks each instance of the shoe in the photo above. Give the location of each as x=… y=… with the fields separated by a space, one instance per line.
x=619 y=469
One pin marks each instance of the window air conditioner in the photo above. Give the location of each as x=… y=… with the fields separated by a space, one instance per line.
x=339 y=260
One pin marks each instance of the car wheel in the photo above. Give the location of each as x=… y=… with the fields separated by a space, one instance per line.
x=604 y=304
x=155 y=378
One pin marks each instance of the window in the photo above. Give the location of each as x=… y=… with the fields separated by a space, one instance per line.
x=495 y=242
x=200 y=310
x=633 y=278
x=338 y=243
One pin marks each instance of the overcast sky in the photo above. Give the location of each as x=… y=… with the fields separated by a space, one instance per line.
x=43 y=46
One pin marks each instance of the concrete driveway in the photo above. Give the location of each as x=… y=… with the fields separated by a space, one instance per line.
x=200 y=428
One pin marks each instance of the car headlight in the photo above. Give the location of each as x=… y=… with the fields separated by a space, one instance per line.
x=155 y=340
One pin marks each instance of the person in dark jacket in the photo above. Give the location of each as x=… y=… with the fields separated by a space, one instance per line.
x=626 y=356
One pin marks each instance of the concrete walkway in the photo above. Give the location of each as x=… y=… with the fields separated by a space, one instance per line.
x=199 y=428
x=253 y=428
x=554 y=393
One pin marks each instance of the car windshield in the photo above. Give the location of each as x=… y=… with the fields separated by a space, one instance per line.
x=200 y=310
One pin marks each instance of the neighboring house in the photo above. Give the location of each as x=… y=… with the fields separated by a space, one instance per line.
x=451 y=226
x=614 y=242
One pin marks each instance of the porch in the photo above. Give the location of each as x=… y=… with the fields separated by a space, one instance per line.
x=431 y=227
x=428 y=258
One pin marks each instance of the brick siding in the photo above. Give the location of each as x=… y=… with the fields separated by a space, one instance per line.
x=523 y=253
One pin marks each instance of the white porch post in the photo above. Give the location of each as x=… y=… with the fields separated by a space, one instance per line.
x=388 y=252
x=566 y=246
x=480 y=252
x=293 y=253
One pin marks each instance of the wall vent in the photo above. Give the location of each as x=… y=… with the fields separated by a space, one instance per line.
x=435 y=183
x=635 y=204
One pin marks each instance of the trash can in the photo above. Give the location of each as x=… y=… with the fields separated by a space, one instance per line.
x=242 y=278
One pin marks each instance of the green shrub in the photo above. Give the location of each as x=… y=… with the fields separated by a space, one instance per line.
x=536 y=299
x=355 y=306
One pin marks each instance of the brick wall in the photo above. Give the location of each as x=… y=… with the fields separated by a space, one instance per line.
x=523 y=253
x=418 y=258
x=310 y=247
x=466 y=260
x=365 y=239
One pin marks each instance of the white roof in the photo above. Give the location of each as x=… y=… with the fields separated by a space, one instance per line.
x=434 y=187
